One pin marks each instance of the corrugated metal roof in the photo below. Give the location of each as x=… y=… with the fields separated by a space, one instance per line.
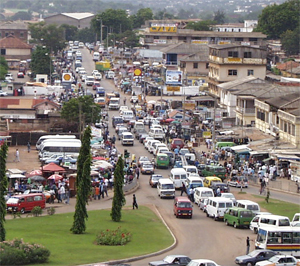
x=184 y=48
x=237 y=82
x=78 y=15
x=284 y=99
x=13 y=42
x=13 y=25
x=201 y=55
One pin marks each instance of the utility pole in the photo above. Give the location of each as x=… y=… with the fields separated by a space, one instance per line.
x=214 y=126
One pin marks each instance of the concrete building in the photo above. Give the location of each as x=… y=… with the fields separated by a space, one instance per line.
x=19 y=29
x=79 y=20
x=230 y=62
x=247 y=26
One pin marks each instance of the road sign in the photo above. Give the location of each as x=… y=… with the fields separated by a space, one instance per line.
x=66 y=77
x=137 y=72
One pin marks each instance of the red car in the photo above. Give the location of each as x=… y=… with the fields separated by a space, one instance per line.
x=177 y=143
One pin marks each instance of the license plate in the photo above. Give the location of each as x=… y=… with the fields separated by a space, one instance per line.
x=148 y=171
x=168 y=195
x=9 y=208
x=246 y=222
x=184 y=214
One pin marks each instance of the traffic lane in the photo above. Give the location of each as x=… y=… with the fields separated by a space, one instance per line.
x=274 y=194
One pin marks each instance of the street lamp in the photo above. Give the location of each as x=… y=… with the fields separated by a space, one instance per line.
x=99 y=19
x=49 y=66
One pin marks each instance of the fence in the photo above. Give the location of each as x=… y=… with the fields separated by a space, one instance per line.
x=129 y=186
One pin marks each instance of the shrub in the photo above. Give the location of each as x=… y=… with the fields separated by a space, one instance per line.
x=17 y=252
x=36 y=211
x=51 y=211
x=116 y=237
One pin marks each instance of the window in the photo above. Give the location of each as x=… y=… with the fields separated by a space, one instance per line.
x=156 y=37
x=21 y=34
x=3 y=51
x=239 y=39
x=253 y=39
x=207 y=65
x=233 y=54
x=250 y=72
x=169 y=37
x=29 y=199
x=232 y=72
x=247 y=55
x=195 y=65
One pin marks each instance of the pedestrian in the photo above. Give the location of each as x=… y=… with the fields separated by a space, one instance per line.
x=125 y=101
x=28 y=147
x=97 y=192
x=17 y=156
x=183 y=189
x=298 y=186
x=67 y=194
x=137 y=172
x=134 y=203
x=247 y=245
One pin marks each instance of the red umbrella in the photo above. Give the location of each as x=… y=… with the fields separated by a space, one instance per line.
x=35 y=172
x=55 y=177
x=169 y=120
x=99 y=158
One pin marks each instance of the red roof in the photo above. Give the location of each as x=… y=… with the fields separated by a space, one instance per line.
x=287 y=65
x=23 y=103
x=52 y=167
x=13 y=42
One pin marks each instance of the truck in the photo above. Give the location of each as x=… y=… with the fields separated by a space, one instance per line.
x=102 y=66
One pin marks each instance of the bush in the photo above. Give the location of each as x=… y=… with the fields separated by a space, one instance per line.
x=51 y=211
x=16 y=252
x=36 y=211
x=116 y=237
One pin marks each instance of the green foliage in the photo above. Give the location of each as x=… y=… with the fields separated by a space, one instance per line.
x=3 y=189
x=118 y=199
x=129 y=38
x=16 y=215
x=70 y=32
x=275 y=71
x=277 y=19
x=16 y=252
x=163 y=14
x=86 y=35
x=219 y=17
x=141 y=16
x=37 y=211
x=290 y=41
x=51 y=211
x=118 y=237
x=90 y=111
x=204 y=25
x=50 y=36
x=21 y=15
x=40 y=61
x=83 y=183
x=3 y=67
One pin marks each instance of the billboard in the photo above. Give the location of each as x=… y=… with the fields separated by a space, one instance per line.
x=173 y=88
x=173 y=77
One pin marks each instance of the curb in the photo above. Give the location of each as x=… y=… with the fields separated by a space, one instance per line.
x=174 y=244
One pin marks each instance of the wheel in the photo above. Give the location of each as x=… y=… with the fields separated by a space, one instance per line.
x=255 y=230
x=234 y=225
x=226 y=222
x=177 y=216
x=207 y=215
x=249 y=264
x=215 y=218
x=23 y=210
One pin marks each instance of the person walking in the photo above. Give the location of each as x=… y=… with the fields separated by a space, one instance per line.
x=137 y=172
x=247 y=245
x=183 y=189
x=67 y=194
x=134 y=203
x=17 y=156
x=28 y=147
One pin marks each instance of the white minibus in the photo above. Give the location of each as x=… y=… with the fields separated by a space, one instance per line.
x=45 y=137
x=70 y=148
x=178 y=176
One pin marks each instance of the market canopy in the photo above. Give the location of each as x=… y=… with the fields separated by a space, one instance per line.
x=52 y=167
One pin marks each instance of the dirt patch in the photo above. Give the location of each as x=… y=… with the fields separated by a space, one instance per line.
x=247 y=196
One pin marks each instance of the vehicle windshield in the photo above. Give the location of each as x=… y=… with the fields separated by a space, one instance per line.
x=207 y=194
x=184 y=205
x=254 y=253
x=162 y=158
x=246 y=214
x=273 y=259
x=167 y=186
x=147 y=166
x=253 y=207
x=12 y=200
x=127 y=137
x=156 y=178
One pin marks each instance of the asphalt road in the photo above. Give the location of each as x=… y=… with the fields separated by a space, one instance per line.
x=199 y=237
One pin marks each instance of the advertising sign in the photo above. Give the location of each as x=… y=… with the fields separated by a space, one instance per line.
x=173 y=77
x=173 y=88
x=199 y=41
x=137 y=72
x=162 y=41
x=207 y=134
x=67 y=77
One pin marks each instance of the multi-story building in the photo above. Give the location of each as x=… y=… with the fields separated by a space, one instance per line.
x=19 y=29
x=79 y=20
x=230 y=62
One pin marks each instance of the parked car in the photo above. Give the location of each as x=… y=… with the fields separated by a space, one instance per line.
x=172 y=260
x=3 y=93
x=254 y=257
x=147 y=168
x=153 y=180
x=20 y=75
x=202 y=262
x=279 y=260
x=238 y=181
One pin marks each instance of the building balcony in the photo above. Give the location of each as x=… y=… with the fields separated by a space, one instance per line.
x=246 y=111
x=237 y=60
x=171 y=63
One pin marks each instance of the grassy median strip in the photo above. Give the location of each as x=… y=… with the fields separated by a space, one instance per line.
x=148 y=235
x=278 y=207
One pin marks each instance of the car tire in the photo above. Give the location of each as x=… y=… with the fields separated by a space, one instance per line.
x=226 y=222
x=22 y=210
x=249 y=264
x=234 y=225
x=215 y=218
x=207 y=215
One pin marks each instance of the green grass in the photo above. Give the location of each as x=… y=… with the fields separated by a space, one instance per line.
x=68 y=249
x=278 y=207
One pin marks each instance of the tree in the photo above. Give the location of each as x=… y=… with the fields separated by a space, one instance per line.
x=70 y=32
x=21 y=15
x=89 y=110
x=141 y=16
x=219 y=17
x=290 y=41
x=163 y=14
x=50 y=36
x=277 y=19
x=83 y=184
x=86 y=35
x=118 y=199
x=204 y=25
x=129 y=38
x=3 y=188
x=41 y=62
x=3 y=67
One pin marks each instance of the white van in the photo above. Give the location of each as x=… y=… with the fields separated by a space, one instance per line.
x=127 y=115
x=190 y=169
x=160 y=145
x=165 y=188
x=110 y=74
x=178 y=176
x=149 y=143
x=202 y=192
x=96 y=56
x=127 y=138
x=138 y=125
x=157 y=133
x=217 y=206
x=249 y=205
x=114 y=104
x=89 y=81
x=296 y=219
x=268 y=220
x=152 y=147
